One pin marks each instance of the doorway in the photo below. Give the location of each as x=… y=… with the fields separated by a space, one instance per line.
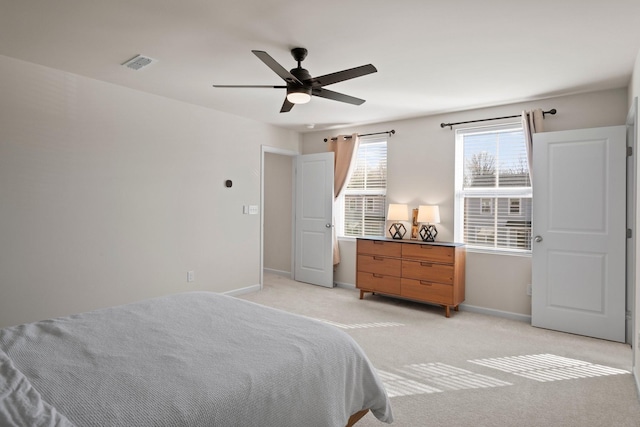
x=277 y=212
x=296 y=216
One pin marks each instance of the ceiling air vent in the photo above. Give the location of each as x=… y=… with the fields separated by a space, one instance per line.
x=138 y=62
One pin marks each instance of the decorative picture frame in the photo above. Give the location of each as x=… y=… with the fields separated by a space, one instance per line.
x=414 y=224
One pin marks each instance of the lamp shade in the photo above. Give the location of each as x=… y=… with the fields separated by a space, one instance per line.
x=397 y=212
x=429 y=214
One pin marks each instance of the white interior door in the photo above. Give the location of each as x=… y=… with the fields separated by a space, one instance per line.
x=314 y=219
x=579 y=231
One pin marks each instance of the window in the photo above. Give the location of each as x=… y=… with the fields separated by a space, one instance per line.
x=486 y=206
x=360 y=209
x=493 y=189
x=514 y=206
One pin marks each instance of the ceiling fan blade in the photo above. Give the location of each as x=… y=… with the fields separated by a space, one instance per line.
x=277 y=68
x=329 y=79
x=252 y=86
x=336 y=96
x=286 y=106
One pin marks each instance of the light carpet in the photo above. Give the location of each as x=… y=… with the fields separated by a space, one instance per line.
x=471 y=369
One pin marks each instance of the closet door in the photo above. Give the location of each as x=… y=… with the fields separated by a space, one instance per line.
x=579 y=231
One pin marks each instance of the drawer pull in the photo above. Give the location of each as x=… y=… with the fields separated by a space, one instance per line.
x=377 y=258
x=426 y=264
x=422 y=282
x=378 y=276
x=426 y=247
x=375 y=242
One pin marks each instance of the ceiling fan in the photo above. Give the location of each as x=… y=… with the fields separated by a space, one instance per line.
x=300 y=85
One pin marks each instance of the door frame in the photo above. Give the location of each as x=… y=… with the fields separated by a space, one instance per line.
x=292 y=154
x=632 y=206
x=633 y=119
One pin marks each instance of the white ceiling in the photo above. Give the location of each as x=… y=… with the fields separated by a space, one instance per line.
x=432 y=56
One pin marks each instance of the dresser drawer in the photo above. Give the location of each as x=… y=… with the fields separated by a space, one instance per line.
x=433 y=253
x=423 y=270
x=378 y=283
x=380 y=265
x=377 y=247
x=427 y=291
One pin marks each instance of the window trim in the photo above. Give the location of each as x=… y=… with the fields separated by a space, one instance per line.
x=506 y=192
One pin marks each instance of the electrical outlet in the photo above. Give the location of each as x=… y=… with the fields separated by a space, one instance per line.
x=253 y=210
x=190 y=276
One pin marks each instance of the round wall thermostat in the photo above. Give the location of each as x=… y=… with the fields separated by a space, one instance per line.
x=228 y=183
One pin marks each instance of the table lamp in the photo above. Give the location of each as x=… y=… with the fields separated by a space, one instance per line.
x=397 y=213
x=428 y=215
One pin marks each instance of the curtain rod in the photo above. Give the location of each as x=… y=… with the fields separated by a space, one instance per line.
x=389 y=132
x=451 y=125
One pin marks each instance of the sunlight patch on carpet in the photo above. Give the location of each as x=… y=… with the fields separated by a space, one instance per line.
x=548 y=367
x=449 y=377
x=424 y=378
x=397 y=385
x=361 y=325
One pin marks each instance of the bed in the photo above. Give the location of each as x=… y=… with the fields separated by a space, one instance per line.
x=189 y=359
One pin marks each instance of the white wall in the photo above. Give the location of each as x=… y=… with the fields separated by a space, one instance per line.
x=278 y=202
x=110 y=195
x=421 y=171
x=634 y=91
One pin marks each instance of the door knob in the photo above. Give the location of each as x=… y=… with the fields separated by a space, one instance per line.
x=328 y=225
x=537 y=239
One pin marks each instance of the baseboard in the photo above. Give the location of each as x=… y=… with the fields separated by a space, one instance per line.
x=286 y=274
x=498 y=313
x=466 y=307
x=350 y=286
x=241 y=291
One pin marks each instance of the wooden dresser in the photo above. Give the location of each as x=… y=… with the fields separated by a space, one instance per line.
x=430 y=272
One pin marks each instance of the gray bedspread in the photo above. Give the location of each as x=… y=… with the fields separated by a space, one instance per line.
x=191 y=359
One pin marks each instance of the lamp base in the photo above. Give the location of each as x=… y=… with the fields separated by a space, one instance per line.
x=428 y=233
x=397 y=230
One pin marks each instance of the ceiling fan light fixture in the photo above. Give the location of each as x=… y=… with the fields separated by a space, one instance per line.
x=301 y=85
x=299 y=95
